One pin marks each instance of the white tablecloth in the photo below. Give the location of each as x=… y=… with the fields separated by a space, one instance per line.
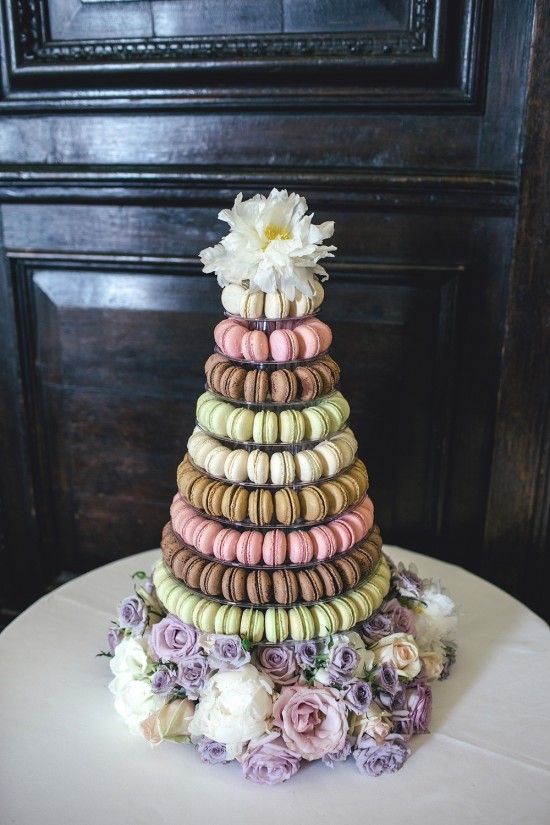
x=68 y=758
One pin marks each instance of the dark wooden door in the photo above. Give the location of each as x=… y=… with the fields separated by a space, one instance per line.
x=126 y=126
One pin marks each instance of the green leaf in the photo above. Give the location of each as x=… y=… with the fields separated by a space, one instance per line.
x=104 y=653
x=246 y=643
x=139 y=574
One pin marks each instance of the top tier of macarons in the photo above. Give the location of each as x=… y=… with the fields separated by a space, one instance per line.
x=241 y=301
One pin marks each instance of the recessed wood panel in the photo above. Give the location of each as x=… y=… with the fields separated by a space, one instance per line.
x=119 y=365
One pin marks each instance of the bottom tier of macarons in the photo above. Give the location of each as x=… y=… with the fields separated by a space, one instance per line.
x=273 y=624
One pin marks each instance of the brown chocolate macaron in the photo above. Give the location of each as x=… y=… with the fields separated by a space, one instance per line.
x=310 y=584
x=287 y=506
x=332 y=365
x=180 y=562
x=211 y=578
x=232 y=382
x=212 y=498
x=259 y=587
x=234 y=584
x=285 y=586
x=336 y=497
x=260 y=507
x=256 y=385
x=349 y=570
x=333 y=583
x=353 y=488
x=217 y=373
x=196 y=491
x=325 y=377
x=284 y=386
x=170 y=544
x=311 y=384
x=213 y=361
x=192 y=571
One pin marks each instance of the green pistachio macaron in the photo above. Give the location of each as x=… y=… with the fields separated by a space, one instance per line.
x=302 y=624
x=252 y=625
x=276 y=624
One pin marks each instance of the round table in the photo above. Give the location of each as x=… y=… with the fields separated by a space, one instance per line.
x=68 y=757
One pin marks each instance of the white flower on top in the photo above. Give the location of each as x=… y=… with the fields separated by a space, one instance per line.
x=272 y=244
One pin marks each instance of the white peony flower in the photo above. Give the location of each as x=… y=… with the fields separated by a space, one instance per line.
x=134 y=699
x=272 y=244
x=234 y=708
x=435 y=617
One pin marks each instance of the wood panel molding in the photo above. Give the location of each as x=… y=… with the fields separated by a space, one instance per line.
x=440 y=50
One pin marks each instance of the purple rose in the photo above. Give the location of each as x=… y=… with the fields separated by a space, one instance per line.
x=192 y=673
x=358 y=696
x=163 y=680
x=343 y=662
x=407 y=581
x=172 y=640
x=227 y=652
x=270 y=761
x=412 y=714
x=279 y=662
x=402 y=618
x=375 y=628
x=305 y=655
x=132 y=614
x=330 y=759
x=114 y=636
x=387 y=677
x=374 y=760
x=210 y=752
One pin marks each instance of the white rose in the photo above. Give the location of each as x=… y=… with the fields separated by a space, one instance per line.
x=234 y=708
x=399 y=649
x=135 y=701
x=170 y=723
x=130 y=657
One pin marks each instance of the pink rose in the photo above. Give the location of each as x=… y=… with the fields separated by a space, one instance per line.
x=313 y=720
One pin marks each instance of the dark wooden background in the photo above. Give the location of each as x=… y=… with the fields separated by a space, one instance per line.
x=417 y=125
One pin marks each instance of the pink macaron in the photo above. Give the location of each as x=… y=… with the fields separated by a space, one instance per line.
x=231 y=340
x=255 y=346
x=225 y=544
x=189 y=528
x=324 y=543
x=299 y=547
x=180 y=513
x=309 y=342
x=355 y=523
x=204 y=536
x=249 y=547
x=274 y=547
x=284 y=345
x=343 y=535
x=323 y=331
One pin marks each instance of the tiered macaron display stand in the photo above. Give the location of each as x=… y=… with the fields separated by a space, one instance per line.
x=273 y=629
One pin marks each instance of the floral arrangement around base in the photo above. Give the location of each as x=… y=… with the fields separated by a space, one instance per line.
x=360 y=694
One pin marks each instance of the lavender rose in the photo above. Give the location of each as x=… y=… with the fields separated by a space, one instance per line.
x=132 y=615
x=373 y=759
x=358 y=696
x=279 y=662
x=388 y=678
x=306 y=653
x=330 y=759
x=163 y=680
x=114 y=636
x=343 y=662
x=192 y=673
x=313 y=721
x=407 y=582
x=402 y=619
x=210 y=752
x=227 y=652
x=412 y=713
x=172 y=640
x=270 y=761
x=378 y=626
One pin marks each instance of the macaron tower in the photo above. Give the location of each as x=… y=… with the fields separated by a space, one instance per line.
x=271 y=534
x=271 y=550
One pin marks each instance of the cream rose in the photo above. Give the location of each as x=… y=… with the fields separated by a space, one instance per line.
x=234 y=708
x=376 y=722
x=171 y=722
x=400 y=650
x=433 y=664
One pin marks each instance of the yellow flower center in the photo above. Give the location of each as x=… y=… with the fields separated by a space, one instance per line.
x=272 y=232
